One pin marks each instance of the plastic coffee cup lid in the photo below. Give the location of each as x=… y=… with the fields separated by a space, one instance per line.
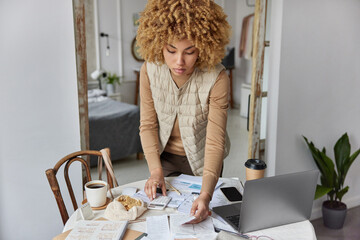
x=255 y=164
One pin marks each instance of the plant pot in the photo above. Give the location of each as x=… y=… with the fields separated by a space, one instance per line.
x=334 y=214
x=109 y=89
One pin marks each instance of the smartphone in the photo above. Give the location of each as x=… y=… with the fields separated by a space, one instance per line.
x=232 y=194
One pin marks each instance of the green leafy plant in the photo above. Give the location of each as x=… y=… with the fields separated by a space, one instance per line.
x=112 y=78
x=332 y=181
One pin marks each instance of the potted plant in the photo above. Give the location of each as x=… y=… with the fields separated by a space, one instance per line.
x=332 y=181
x=110 y=80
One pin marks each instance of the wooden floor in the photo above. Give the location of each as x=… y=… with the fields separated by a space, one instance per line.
x=350 y=231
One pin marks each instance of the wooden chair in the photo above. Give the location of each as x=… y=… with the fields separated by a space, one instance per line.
x=79 y=156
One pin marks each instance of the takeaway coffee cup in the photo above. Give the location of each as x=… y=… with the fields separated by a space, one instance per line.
x=96 y=192
x=255 y=168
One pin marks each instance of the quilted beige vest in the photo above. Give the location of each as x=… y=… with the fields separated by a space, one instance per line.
x=190 y=104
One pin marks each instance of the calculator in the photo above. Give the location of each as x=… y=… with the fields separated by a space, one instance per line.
x=159 y=203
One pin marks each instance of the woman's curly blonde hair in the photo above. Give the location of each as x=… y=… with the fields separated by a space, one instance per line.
x=201 y=21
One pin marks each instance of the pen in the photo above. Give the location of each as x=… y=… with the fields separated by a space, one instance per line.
x=177 y=191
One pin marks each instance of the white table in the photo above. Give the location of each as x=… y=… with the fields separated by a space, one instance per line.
x=296 y=231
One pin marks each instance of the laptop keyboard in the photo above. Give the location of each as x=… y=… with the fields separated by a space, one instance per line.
x=234 y=219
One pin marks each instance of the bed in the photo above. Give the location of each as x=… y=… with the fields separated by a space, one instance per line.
x=115 y=125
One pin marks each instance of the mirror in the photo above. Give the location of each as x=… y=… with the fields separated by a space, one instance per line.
x=113 y=51
x=134 y=51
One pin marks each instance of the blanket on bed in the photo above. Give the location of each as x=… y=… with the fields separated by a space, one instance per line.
x=115 y=125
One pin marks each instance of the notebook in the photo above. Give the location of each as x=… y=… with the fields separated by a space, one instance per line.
x=129 y=234
x=272 y=201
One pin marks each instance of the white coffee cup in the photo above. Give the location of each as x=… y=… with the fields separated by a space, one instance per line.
x=96 y=191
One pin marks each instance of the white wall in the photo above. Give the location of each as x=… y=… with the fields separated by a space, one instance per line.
x=316 y=73
x=121 y=32
x=128 y=8
x=109 y=25
x=39 y=112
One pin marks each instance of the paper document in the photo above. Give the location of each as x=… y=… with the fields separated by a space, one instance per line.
x=97 y=230
x=189 y=230
x=158 y=227
x=218 y=199
x=176 y=200
x=235 y=182
x=130 y=191
x=186 y=205
x=189 y=184
x=186 y=219
x=142 y=195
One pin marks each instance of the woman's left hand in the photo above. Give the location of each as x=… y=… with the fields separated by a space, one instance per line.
x=200 y=208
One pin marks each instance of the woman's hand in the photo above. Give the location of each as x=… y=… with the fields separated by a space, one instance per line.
x=200 y=208
x=156 y=180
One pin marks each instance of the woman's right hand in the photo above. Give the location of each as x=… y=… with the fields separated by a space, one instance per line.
x=156 y=180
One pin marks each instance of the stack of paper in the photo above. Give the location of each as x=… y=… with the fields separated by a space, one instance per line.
x=158 y=227
x=202 y=231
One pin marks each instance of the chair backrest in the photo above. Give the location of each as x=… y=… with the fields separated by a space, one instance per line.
x=79 y=156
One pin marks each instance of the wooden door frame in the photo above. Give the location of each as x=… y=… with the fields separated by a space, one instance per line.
x=257 y=78
x=81 y=71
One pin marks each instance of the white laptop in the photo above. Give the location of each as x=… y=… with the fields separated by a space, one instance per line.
x=272 y=201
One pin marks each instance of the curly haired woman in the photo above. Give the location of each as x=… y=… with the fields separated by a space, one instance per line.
x=184 y=94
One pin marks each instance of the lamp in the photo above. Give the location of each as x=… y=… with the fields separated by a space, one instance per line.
x=97 y=75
